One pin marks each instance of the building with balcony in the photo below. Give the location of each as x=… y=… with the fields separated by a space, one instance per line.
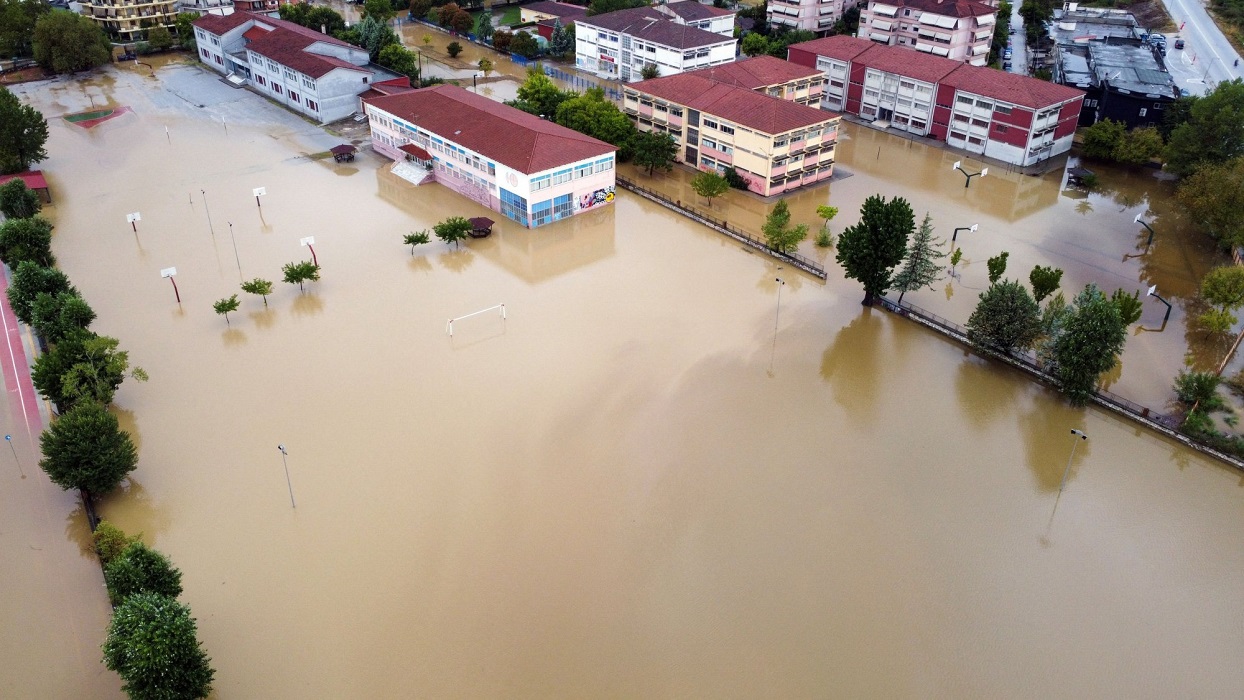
x=529 y=169
x=961 y=30
x=1009 y=117
x=776 y=144
x=128 y=20
x=306 y=71
x=269 y=8
x=206 y=7
x=817 y=16
x=619 y=44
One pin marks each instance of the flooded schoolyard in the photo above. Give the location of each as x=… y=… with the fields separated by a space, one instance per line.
x=663 y=474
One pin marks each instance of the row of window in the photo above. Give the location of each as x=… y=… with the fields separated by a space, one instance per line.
x=552 y=209
x=566 y=174
x=460 y=174
x=513 y=206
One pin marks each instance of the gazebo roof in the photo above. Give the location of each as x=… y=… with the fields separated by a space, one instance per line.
x=343 y=149
x=481 y=222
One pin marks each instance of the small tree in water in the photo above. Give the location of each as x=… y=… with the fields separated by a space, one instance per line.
x=922 y=267
x=224 y=306
x=453 y=230
x=1005 y=319
x=413 y=239
x=1044 y=281
x=300 y=272
x=779 y=234
x=997 y=266
x=153 y=645
x=259 y=286
x=709 y=185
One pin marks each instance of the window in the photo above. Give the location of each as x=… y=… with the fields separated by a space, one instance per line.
x=710 y=124
x=513 y=206
x=218 y=61
x=729 y=129
x=542 y=212
x=540 y=183
x=314 y=107
x=308 y=83
x=205 y=53
x=779 y=143
x=293 y=96
x=261 y=80
x=563 y=206
x=604 y=164
x=1143 y=111
x=1001 y=128
x=999 y=109
x=561 y=176
x=964 y=100
x=709 y=143
x=215 y=41
x=675 y=111
x=582 y=170
x=276 y=88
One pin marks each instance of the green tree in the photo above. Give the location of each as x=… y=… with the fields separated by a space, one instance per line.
x=159 y=38
x=1086 y=344
x=485 y=66
x=399 y=59
x=1198 y=389
x=17 y=25
x=1129 y=306
x=997 y=266
x=1139 y=146
x=710 y=184
x=300 y=272
x=781 y=40
x=413 y=239
x=378 y=10
x=322 y=18
x=870 y=249
x=66 y=42
x=525 y=45
x=17 y=201
x=779 y=234
x=86 y=449
x=184 y=23
x=603 y=7
x=139 y=569
x=561 y=41
x=153 y=645
x=922 y=266
x=375 y=35
x=56 y=316
x=454 y=230
x=95 y=371
x=296 y=13
x=420 y=8
x=483 y=27
x=826 y=212
x=592 y=114
x=1214 y=199
x=1006 y=318
x=650 y=71
x=1102 y=139
x=1223 y=288
x=453 y=49
x=956 y=254
x=23 y=133
x=29 y=281
x=110 y=541
x=27 y=240
x=755 y=45
x=1213 y=134
x=652 y=150
x=1176 y=114
x=1044 y=281
x=224 y=306
x=736 y=180
x=259 y=286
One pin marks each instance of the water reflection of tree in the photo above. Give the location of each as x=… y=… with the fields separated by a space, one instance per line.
x=456 y=260
x=850 y=365
x=419 y=264
x=264 y=319
x=307 y=304
x=127 y=422
x=233 y=337
x=1205 y=349
x=142 y=516
x=982 y=397
x=1047 y=442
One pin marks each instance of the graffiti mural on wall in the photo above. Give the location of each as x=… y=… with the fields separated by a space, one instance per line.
x=602 y=196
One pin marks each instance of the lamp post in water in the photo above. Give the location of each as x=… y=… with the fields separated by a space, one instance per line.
x=1074 y=434
x=288 y=483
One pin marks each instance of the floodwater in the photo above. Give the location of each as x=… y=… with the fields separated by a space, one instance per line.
x=660 y=475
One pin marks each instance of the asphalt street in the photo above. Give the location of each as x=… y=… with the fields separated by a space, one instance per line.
x=1207 y=58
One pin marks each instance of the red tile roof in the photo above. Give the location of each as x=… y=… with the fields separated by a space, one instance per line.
x=732 y=103
x=987 y=82
x=219 y=24
x=289 y=49
x=557 y=9
x=946 y=8
x=509 y=136
x=692 y=10
x=758 y=72
x=255 y=32
x=648 y=24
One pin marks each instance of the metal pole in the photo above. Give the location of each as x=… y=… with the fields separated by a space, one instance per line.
x=288 y=483
x=235 y=249
x=9 y=439
x=175 y=292
x=209 y=212
x=314 y=261
x=1074 y=434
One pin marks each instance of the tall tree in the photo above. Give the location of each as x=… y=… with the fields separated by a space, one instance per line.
x=1214 y=199
x=1102 y=138
x=159 y=38
x=139 y=569
x=454 y=230
x=56 y=316
x=29 y=281
x=485 y=66
x=710 y=184
x=66 y=42
x=592 y=114
x=755 y=45
x=17 y=201
x=23 y=133
x=17 y=25
x=539 y=95
x=870 y=249
x=652 y=150
x=483 y=26
x=1214 y=132
x=561 y=42
x=153 y=645
x=375 y=35
x=778 y=232
x=1086 y=344
x=922 y=266
x=650 y=71
x=399 y=59
x=1005 y=319
x=300 y=272
x=185 y=29
x=27 y=240
x=1129 y=306
x=997 y=266
x=86 y=449
x=1139 y=146
x=1044 y=281
x=826 y=212
x=603 y=7
x=82 y=366
x=525 y=45
x=379 y=10
x=1223 y=288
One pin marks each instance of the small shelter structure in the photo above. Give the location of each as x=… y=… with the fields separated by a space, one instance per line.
x=417 y=154
x=481 y=227
x=344 y=152
x=34 y=180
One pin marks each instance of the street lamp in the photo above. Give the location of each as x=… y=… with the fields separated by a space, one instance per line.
x=1074 y=434
x=281 y=447
x=1147 y=226
x=776 y=315
x=1153 y=292
x=971 y=229
x=982 y=173
x=474 y=86
x=208 y=212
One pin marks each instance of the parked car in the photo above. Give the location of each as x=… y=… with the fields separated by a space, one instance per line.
x=1179 y=43
x=1006 y=65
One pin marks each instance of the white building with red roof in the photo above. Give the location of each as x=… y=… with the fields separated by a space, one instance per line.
x=531 y=170
x=961 y=30
x=619 y=44
x=308 y=72
x=818 y=16
x=747 y=116
x=1010 y=117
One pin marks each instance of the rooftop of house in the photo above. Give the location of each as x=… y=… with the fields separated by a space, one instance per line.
x=757 y=72
x=945 y=8
x=691 y=11
x=649 y=24
x=739 y=105
x=1131 y=66
x=987 y=82
x=557 y=9
x=507 y=135
x=281 y=41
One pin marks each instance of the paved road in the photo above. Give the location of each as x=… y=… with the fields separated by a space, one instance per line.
x=1019 y=43
x=1208 y=57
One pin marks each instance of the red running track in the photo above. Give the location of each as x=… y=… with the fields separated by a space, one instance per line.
x=22 y=397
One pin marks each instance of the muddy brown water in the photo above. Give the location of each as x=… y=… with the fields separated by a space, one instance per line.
x=630 y=487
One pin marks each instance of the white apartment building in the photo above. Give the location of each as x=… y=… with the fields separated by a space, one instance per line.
x=619 y=44
x=692 y=14
x=961 y=30
x=809 y=15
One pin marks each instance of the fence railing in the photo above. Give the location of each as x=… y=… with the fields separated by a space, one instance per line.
x=752 y=240
x=580 y=82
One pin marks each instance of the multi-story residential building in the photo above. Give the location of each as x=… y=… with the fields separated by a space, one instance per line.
x=1013 y=118
x=529 y=169
x=308 y=72
x=771 y=76
x=775 y=144
x=261 y=7
x=817 y=16
x=619 y=44
x=128 y=20
x=961 y=30
x=206 y=7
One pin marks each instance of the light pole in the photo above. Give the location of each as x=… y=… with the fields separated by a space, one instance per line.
x=971 y=229
x=235 y=249
x=288 y=483
x=1153 y=292
x=776 y=316
x=474 y=85
x=208 y=211
x=982 y=173
x=1074 y=434
x=9 y=439
x=1147 y=226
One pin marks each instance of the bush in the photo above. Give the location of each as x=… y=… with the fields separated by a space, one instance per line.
x=17 y=201
x=86 y=449
x=736 y=180
x=1193 y=388
x=453 y=49
x=824 y=239
x=110 y=541
x=1103 y=138
x=141 y=570
x=153 y=645
x=27 y=240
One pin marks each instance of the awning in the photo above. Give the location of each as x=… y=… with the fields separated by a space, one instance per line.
x=34 y=181
x=415 y=151
x=881 y=24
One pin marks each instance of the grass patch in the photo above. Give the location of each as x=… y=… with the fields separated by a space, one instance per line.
x=511 y=16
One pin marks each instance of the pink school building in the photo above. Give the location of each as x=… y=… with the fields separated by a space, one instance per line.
x=530 y=170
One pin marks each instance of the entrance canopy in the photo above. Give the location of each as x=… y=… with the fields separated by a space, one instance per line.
x=34 y=180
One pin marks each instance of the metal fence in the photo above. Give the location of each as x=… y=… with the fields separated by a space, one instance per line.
x=580 y=82
x=722 y=226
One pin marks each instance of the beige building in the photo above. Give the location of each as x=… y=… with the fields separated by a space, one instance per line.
x=776 y=144
x=128 y=20
x=961 y=30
